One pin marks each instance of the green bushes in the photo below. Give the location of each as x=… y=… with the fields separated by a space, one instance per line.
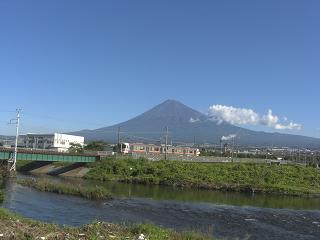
x=286 y=179
x=94 y=193
x=1 y=196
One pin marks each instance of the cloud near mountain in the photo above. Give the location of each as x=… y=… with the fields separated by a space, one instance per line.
x=246 y=116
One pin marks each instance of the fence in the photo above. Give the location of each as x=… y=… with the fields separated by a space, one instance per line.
x=207 y=159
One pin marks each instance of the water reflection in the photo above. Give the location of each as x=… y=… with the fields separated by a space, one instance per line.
x=124 y=190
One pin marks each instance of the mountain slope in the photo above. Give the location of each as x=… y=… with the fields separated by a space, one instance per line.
x=185 y=124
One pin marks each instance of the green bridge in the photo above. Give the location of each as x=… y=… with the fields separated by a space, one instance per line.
x=47 y=156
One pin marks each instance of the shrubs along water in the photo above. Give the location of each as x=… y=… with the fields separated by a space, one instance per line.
x=93 y=193
x=281 y=179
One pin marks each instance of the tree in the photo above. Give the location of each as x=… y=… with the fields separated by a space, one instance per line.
x=96 y=146
x=75 y=148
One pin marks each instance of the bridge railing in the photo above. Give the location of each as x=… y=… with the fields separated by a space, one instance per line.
x=43 y=155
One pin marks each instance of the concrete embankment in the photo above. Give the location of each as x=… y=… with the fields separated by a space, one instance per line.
x=68 y=170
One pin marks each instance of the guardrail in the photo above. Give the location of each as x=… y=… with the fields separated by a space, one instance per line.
x=43 y=155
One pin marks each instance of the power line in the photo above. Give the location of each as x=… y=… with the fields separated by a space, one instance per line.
x=59 y=119
x=138 y=137
x=7 y=111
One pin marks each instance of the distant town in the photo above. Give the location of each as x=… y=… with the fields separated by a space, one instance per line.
x=226 y=150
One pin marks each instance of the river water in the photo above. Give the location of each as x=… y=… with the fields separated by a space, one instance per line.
x=223 y=215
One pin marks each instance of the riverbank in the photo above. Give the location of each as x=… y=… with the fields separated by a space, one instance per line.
x=16 y=227
x=2 y=173
x=1 y=195
x=93 y=193
x=263 y=178
x=210 y=212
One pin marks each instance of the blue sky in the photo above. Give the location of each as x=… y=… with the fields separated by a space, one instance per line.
x=77 y=64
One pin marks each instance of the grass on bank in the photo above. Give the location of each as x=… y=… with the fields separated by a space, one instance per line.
x=2 y=174
x=248 y=177
x=1 y=196
x=18 y=228
x=93 y=193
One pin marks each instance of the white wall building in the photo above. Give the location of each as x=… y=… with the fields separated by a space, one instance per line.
x=57 y=141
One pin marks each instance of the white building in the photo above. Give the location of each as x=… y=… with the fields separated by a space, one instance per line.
x=56 y=141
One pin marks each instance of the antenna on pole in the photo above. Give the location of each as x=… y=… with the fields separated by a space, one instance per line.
x=166 y=147
x=13 y=160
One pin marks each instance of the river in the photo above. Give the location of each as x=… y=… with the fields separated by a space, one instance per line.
x=223 y=215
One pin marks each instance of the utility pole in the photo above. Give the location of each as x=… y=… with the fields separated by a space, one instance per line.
x=194 y=141
x=119 y=145
x=166 y=147
x=13 y=160
x=232 y=149
x=235 y=147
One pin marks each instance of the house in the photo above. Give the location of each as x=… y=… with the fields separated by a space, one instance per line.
x=55 y=141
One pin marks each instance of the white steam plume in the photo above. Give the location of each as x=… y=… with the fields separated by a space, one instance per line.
x=226 y=138
x=194 y=120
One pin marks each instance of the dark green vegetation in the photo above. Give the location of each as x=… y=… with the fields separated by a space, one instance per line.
x=92 y=146
x=96 y=146
x=1 y=196
x=15 y=227
x=75 y=148
x=283 y=179
x=1 y=192
x=94 y=193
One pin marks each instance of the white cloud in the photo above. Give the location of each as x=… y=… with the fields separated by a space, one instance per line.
x=192 y=120
x=289 y=126
x=269 y=120
x=233 y=115
x=245 y=116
